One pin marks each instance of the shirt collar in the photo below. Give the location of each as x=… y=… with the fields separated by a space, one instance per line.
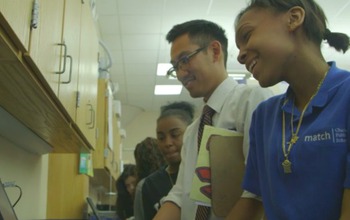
x=323 y=94
x=217 y=99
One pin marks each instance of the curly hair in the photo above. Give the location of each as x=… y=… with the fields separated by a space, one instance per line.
x=148 y=157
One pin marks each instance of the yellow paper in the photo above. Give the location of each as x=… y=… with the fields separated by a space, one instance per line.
x=198 y=192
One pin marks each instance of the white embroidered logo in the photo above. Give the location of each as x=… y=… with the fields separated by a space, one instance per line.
x=337 y=135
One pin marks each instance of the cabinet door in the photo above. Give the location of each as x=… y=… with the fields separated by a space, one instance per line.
x=44 y=49
x=101 y=123
x=88 y=76
x=67 y=189
x=105 y=159
x=115 y=168
x=71 y=37
x=18 y=15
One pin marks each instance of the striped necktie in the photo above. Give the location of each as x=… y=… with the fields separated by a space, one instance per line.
x=206 y=119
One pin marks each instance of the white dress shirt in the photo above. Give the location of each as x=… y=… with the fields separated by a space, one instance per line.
x=234 y=104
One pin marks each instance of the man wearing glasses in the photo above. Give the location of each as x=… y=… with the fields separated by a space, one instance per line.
x=199 y=56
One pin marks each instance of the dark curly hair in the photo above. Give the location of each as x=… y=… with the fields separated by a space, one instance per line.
x=148 y=157
x=124 y=203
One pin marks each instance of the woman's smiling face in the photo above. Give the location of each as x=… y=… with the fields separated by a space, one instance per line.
x=265 y=44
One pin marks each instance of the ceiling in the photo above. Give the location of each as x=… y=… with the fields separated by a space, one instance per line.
x=134 y=32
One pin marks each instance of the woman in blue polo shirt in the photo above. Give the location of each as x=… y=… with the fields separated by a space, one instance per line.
x=299 y=158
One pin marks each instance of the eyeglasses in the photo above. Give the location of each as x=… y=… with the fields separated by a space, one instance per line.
x=182 y=62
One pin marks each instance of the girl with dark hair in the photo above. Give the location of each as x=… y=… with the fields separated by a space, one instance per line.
x=148 y=160
x=148 y=157
x=299 y=157
x=125 y=185
x=171 y=125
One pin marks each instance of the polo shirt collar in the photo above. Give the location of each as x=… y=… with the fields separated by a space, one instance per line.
x=324 y=94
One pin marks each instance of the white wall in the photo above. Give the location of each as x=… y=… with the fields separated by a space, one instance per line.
x=30 y=172
x=142 y=126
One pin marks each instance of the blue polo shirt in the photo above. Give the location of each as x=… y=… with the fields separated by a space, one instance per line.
x=320 y=158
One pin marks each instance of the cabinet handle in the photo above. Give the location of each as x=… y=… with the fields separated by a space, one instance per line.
x=70 y=70
x=92 y=118
x=77 y=103
x=90 y=122
x=65 y=58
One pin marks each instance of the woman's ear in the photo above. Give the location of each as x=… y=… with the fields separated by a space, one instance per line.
x=296 y=17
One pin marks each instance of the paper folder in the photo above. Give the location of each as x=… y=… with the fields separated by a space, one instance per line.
x=227 y=171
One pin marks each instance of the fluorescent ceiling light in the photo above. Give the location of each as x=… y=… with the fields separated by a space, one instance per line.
x=237 y=75
x=162 y=68
x=167 y=89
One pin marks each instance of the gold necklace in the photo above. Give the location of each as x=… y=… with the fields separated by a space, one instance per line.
x=286 y=164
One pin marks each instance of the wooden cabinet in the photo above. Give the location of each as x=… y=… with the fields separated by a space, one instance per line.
x=64 y=49
x=34 y=93
x=45 y=47
x=18 y=14
x=78 y=93
x=26 y=95
x=88 y=76
x=100 y=157
x=71 y=37
x=105 y=158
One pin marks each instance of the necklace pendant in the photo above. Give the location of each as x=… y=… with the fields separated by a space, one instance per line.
x=287 y=166
x=294 y=139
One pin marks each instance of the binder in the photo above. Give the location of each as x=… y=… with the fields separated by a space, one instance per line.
x=201 y=183
x=221 y=150
x=227 y=170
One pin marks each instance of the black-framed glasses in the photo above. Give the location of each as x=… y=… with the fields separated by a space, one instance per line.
x=182 y=62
